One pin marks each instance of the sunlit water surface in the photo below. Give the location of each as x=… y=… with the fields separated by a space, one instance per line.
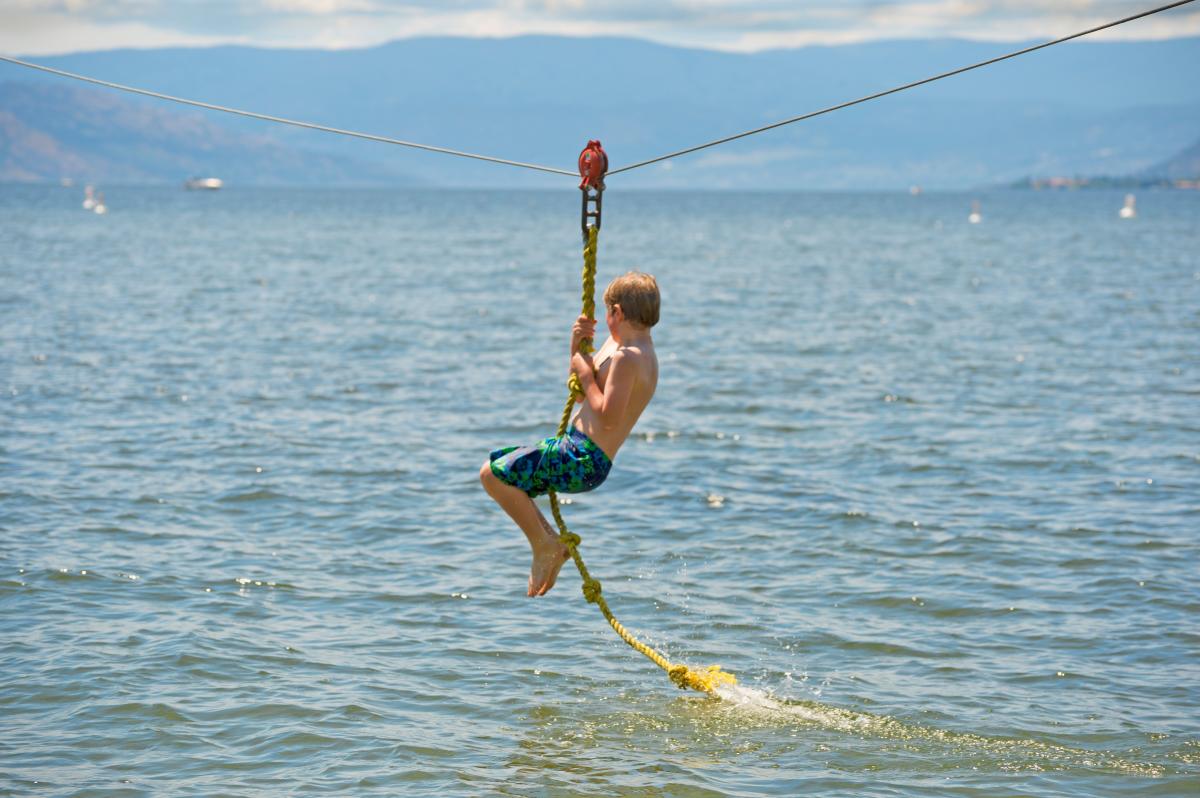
x=930 y=488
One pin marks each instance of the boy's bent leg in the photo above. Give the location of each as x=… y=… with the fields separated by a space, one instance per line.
x=549 y=553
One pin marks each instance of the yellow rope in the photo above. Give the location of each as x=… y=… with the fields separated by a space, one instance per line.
x=705 y=681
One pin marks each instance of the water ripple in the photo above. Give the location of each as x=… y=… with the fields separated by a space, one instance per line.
x=928 y=490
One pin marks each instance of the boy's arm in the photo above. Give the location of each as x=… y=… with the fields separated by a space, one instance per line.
x=610 y=404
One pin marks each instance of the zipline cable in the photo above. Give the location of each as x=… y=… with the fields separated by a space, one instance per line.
x=282 y=121
x=551 y=169
x=877 y=95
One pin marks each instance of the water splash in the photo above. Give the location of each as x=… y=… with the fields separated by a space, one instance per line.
x=976 y=750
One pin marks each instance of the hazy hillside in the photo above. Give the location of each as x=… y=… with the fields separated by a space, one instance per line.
x=1085 y=107
x=51 y=131
x=1184 y=165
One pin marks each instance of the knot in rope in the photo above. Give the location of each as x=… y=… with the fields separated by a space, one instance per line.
x=575 y=386
x=706 y=681
x=591 y=590
x=570 y=539
x=679 y=675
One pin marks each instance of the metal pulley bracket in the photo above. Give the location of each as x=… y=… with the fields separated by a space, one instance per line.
x=593 y=165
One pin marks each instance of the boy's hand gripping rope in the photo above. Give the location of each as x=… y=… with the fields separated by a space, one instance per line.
x=705 y=681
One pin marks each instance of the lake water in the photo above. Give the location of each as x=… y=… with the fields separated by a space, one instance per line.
x=931 y=490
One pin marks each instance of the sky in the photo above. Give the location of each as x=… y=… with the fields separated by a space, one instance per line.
x=42 y=27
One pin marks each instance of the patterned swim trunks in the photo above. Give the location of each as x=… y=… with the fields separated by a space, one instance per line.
x=572 y=463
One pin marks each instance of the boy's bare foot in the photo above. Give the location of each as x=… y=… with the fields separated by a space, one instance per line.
x=548 y=559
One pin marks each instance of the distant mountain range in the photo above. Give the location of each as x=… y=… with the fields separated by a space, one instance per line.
x=1088 y=107
x=56 y=131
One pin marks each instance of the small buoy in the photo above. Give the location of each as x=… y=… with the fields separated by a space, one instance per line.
x=976 y=217
x=914 y=191
x=1130 y=209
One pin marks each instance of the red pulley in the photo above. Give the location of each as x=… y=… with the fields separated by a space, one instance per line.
x=593 y=164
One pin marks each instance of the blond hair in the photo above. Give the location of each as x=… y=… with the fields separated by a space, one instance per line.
x=637 y=294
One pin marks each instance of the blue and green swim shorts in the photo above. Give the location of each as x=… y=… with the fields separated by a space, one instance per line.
x=571 y=463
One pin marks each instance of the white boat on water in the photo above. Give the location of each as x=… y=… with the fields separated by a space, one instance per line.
x=89 y=198
x=100 y=207
x=203 y=183
x=1130 y=209
x=976 y=217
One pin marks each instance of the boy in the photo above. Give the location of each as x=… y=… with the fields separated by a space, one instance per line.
x=618 y=382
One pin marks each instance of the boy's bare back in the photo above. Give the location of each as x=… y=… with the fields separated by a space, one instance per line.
x=626 y=376
x=619 y=380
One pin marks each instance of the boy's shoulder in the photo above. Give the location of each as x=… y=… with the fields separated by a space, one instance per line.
x=640 y=352
x=638 y=358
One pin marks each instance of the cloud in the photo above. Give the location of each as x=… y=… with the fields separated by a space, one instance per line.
x=981 y=20
x=57 y=26
x=49 y=33
x=322 y=7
